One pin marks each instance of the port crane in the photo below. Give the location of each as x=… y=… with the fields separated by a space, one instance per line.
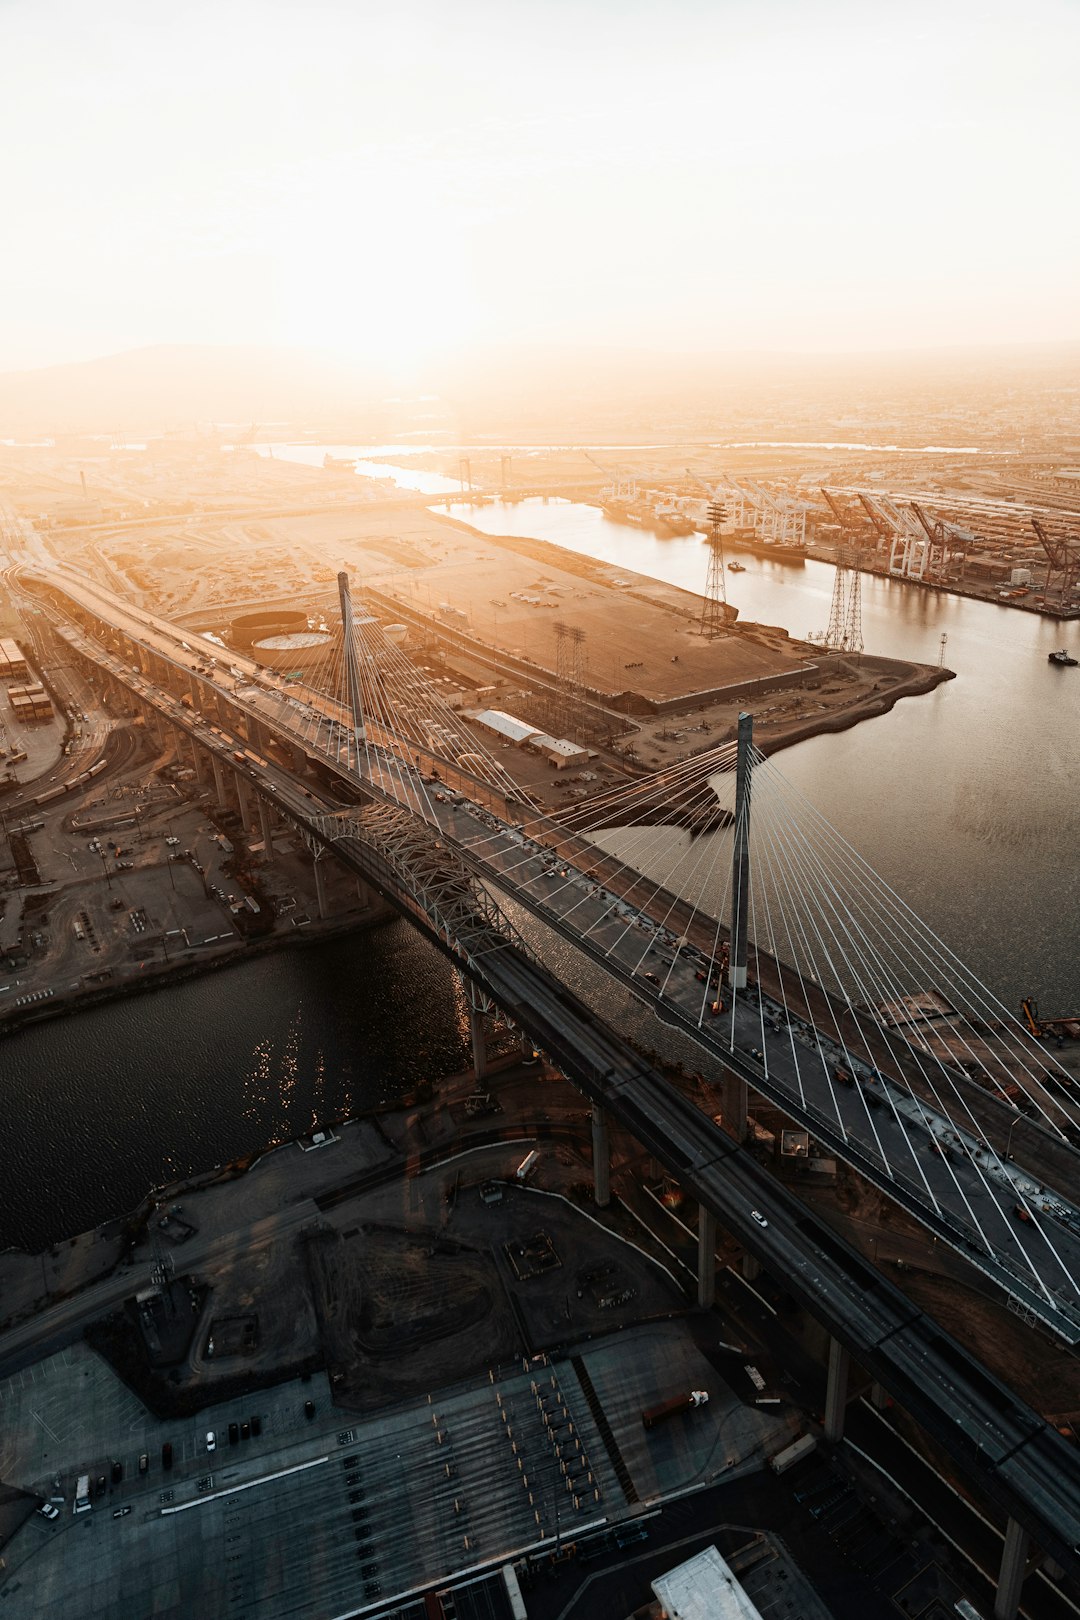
x=909 y=547
x=622 y=489
x=947 y=542
x=1061 y=555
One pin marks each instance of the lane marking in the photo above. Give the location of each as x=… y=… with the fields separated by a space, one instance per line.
x=249 y=1485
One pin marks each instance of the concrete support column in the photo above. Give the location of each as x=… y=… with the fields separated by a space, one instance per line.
x=733 y=1104
x=706 y=1258
x=198 y=760
x=750 y=1266
x=879 y=1398
x=265 y=825
x=320 y=888
x=248 y=813
x=601 y=1158
x=1012 y=1572
x=219 y=782
x=479 y=1041
x=836 y=1390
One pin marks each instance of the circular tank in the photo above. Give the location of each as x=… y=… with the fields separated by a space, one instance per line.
x=281 y=638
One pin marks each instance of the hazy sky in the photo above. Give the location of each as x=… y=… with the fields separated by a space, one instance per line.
x=400 y=177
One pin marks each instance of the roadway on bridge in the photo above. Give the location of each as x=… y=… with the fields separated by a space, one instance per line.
x=1024 y=1465
x=943 y=1172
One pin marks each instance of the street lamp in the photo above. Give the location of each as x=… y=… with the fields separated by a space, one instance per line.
x=1008 y=1142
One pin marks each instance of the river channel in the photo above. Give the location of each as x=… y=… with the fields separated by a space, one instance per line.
x=965 y=801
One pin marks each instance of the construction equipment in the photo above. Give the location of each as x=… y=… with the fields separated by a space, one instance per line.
x=1060 y=1025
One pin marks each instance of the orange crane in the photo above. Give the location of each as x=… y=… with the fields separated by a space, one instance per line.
x=1042 y=1028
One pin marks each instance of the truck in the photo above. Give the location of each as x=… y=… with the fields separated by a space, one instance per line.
x=83 y=1503
x=527 y=1166
x=652 y=1415
x=780 y=1461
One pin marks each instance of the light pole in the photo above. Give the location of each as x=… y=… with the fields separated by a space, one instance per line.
x=1008 y=1141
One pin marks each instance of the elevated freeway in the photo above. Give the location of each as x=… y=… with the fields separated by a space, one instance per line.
x=436 y=856
x=882 y=1118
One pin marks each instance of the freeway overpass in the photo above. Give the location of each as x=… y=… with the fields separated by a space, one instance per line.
x=436 y=855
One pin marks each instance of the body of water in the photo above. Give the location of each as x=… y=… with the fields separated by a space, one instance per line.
x=965 y=800
x=103 y=1105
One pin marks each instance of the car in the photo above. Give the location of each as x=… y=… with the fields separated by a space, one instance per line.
x=245 y=1430
x=166 y=1454
x=119 y=1513
x=309 y=1410
x=234 y=1433
x=256 y=1424
x=47 y=1511
x=117 y=1472
x=144 y=1463
x=756 y=1215
x=173 y=843
x=652 y=978
x=99 y=1485
x=211 y=1440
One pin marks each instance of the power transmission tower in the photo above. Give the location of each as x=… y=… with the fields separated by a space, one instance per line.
x=576 y=637
x=570 y=675
x=714 y=607
x=845 y=614
x=834 y=635
x=853 y=641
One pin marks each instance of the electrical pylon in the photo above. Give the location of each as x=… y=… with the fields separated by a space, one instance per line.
x=714 y=607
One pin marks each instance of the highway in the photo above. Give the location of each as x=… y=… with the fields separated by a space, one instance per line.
x=887 y=1124
x=1023 y=1464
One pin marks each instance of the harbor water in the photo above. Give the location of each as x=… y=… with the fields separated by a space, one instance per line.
x=964 y=800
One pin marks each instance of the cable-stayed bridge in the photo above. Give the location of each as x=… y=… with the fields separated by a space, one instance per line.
x=771 y=945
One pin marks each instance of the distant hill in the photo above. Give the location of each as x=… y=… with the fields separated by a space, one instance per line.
x=174 y=386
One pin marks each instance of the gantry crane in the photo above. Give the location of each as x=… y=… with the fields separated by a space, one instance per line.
x=1062 y=555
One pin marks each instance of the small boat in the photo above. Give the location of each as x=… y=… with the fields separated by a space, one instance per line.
x=1062 y=658
x=736 y=568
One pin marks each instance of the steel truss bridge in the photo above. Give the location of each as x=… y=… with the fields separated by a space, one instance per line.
x=823 y=992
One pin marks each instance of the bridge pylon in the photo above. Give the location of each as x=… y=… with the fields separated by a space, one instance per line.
x=740 y=857
x=352 y=673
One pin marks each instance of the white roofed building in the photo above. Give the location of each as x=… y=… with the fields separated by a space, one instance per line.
x=506 y=726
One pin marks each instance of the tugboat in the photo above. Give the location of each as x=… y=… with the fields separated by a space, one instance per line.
x=1061 y=658
x=736 y=568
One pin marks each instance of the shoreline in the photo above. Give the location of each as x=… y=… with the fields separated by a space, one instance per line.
x=162 y=975
x=903 y=679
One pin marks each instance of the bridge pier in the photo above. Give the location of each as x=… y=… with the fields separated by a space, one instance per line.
x=247 y=820
x=749 y=1266
x=706 y=1258
x=1012 y=1572
x=479 y=1040
x=320 y=887
x=198 y=762
x=836 y=1391
x=879 y=1397
x=601 y=1158
x=219 y=782
x=733 y=1104
x=265 y=825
